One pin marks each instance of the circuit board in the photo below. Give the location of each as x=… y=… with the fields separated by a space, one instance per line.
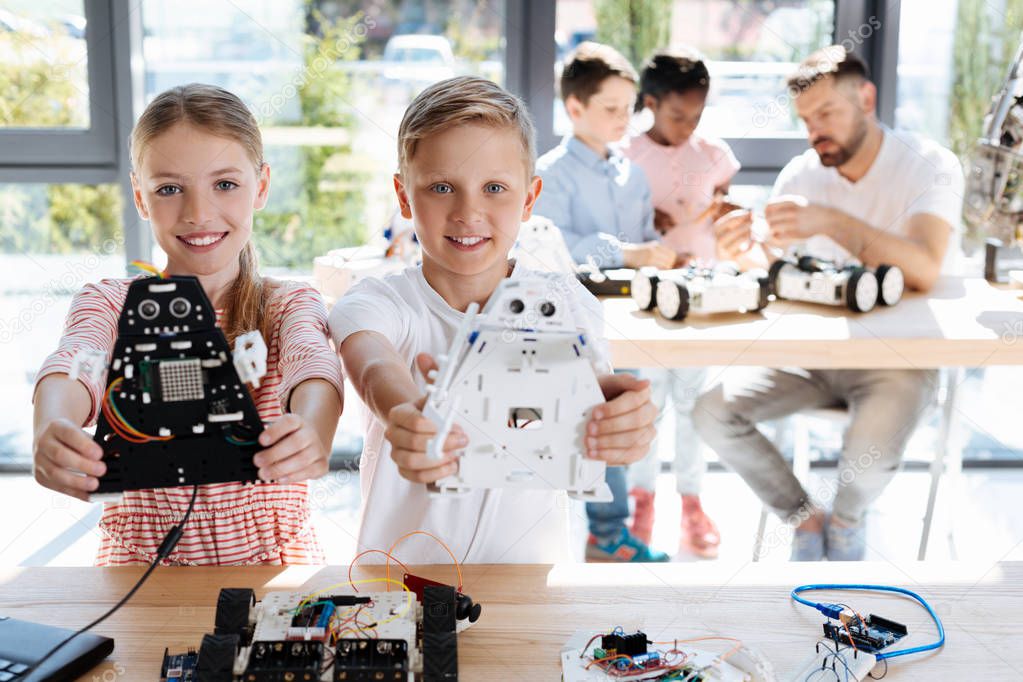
x=872 y=634
x=327 y=636
x=175 y=411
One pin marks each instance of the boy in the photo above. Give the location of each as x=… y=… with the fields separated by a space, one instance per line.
x=466 y=180
x=601 y=203
x=689 y=176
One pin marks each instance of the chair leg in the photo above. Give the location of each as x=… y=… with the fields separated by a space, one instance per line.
x=758 y=541
x=954 y=375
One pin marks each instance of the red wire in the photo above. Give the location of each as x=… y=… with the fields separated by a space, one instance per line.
x=370 y=551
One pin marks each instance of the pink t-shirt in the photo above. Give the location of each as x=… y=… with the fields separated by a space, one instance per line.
x=682 y=181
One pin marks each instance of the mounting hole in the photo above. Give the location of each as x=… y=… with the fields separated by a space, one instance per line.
x=180 y=307
x=516 y=306
x=547 y=308
x=149 y=309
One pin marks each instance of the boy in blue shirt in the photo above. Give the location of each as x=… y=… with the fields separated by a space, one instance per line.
x=602 y=204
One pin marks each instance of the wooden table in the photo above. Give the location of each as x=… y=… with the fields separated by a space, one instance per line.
x=961 y=322
x=530 y=611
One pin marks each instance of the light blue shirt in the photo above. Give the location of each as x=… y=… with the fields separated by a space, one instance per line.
x=597 y=203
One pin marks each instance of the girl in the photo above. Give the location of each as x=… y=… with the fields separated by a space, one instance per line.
x=689 y=178
x=198 y=175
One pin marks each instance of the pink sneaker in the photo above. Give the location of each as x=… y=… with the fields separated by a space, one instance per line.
x=699 y=534
x=643 y=518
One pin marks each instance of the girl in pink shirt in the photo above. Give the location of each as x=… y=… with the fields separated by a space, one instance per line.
x=198 y=177
x=689 y=177
x=688 y=174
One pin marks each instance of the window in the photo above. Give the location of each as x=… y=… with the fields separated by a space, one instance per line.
x=751 y=48
x=44 y=66
x=329 y=85
x=53 y=240
x=925 y=69
x=55 y=72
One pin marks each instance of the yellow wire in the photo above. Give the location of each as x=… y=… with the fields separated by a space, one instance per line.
x=408 y=603
x=147 y=267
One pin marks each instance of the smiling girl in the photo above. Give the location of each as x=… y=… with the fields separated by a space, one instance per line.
x=198 y=177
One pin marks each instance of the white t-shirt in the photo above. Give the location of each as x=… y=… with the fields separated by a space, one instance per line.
x=492 y=526
x=910 y=175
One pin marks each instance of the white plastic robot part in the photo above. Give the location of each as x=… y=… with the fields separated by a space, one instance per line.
x=250 y=357
x=94 y=362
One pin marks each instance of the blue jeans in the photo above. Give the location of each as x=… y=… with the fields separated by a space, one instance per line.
x=607 y=519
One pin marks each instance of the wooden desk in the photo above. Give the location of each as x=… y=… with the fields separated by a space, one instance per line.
x=530 y=611
x=961 y=322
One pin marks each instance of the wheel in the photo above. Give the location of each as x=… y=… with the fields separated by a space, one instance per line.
x=643 y=288
x=861 y=291
x=232 y=618
x=672 y=300
x=764 y=294
x=891 y=284
x=772 y=276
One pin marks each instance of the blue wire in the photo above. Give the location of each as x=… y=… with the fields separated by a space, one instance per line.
x=881 y=655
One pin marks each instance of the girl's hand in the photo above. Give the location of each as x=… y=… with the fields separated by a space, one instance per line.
x=408 y=432
x=620 y=431
x=62 y=453
x=294 y=451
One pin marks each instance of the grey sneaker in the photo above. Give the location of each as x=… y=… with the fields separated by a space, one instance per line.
x=846 y=543
x=807 y=546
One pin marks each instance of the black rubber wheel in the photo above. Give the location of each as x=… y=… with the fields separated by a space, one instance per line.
x=233 y=605
x=772 y=276
x=889 y=274
x=764 y=296
x=639 y=290
x=859 y=277
x=667 y=306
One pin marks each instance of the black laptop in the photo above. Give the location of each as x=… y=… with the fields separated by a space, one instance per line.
x=22 y=644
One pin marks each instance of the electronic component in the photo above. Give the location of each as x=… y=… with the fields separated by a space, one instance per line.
x=873 y=634
x=622 y=644
x=179 y=667
x=331 y=635
x=831 y=662
x=371 y=660
x=284 y=662
x=815 y=280
x=175 y=411
x=520 y=379
x=675 y=294
x=585 y=659
x=466 y=611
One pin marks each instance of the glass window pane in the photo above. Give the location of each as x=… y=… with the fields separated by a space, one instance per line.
x=53 y=240
x=329 y=83
x=43 y=65
x=923 y=101
x=751 y=47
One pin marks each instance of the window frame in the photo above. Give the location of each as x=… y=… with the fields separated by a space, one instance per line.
x=529 y=70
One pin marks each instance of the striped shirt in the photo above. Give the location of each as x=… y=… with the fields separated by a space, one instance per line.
x=232 y=523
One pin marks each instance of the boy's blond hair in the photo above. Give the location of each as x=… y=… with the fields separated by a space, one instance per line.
x=459 y=101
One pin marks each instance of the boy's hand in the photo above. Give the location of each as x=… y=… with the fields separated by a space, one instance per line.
x=620 y=431
x=62 y=453
x=408 y=431
x=733 y=234
x=649 y=253
x=663 y=222
x=294 y=451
